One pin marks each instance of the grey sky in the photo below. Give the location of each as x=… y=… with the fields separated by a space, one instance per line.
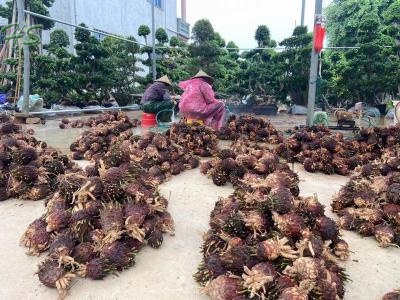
x=237 y=20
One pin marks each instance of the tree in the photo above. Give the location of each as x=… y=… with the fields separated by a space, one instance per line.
x=8 y=79
x=144 y=31
x=228 y=61
x=370 y=73
x=59 y=41
x=174 y=61
x=6 y=11
x=220 y=41
x=37 y=6
x=176 y=42
x=256 y=73
x=161 y=36
x=263 y=36
x=203 y=31
x=52 y=75
x=392 y=22
x=344 y=16
x=205 y=49
x=94 y=71
x=233 y=49
x=293 y=66
x=122 y=56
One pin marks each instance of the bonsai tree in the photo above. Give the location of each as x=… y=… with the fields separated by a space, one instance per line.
x=370 y=73
x=205 y=49
x=176 y=42
x=263 y=36
x=161 y=36
x=95 y=74
x=293 y=66
x=144 y=31
x=123 y=58
x=52 y=75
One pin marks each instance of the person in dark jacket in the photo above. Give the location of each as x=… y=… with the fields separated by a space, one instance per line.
x=157 y=98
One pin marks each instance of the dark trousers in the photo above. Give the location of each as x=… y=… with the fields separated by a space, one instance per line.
x=154 y=107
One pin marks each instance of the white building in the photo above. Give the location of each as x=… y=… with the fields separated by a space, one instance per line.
x=119 y=17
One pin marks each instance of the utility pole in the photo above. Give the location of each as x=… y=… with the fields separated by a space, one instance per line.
x=153 y=31
x=27 y=66
x=303 y=9
x=312 y=87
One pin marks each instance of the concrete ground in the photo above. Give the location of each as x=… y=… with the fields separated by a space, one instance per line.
x=166 y=273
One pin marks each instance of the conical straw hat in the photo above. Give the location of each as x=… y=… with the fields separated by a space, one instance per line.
x=164 y=79
x=203 y=74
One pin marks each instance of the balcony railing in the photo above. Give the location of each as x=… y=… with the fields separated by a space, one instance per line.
x=183 y=28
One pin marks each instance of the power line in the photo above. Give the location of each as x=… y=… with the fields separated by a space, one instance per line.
x=179 y=47
x=81 y=27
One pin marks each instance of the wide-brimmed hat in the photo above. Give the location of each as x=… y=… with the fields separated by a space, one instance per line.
x=164 y=79
x=203 y=74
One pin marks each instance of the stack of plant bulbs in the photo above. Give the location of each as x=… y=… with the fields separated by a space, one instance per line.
x=102 y=118
x=199 y=139
x=28 y=168
x=230 y=165
x=101 y=217
x=265 y=242
x=395 y=295
x=105 y=128
x=249 y=127
x=320 y=150
x=155 y=153
x=95 y=225
x=370 y=202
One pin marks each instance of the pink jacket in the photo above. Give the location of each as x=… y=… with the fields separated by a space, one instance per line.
x=198 y=94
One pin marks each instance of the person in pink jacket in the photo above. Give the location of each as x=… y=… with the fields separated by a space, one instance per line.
x=198 y=101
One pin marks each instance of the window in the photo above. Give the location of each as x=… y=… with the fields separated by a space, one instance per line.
x=157 y=3
x=98 y=35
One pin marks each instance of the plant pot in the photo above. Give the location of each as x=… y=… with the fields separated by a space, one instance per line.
x=266 y=110
x=238 y=109
x=381 y=108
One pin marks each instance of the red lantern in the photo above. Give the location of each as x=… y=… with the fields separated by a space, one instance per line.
x=319 y=37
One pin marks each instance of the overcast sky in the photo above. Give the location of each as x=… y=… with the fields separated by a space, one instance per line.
x=237 y=20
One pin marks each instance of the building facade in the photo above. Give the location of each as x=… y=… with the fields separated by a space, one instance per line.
x=119 y=17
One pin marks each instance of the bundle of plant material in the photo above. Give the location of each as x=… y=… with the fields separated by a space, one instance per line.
x=104 y=118
x=155 y=153
x=370 y=202
x=395 y=295
x=385 y=137
x=95 y=225
x=96 y=141
x=249 y=127
x=29 y=169
x=199 y=139
x=265 y=242
x=319 y=150
x=230 y=165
